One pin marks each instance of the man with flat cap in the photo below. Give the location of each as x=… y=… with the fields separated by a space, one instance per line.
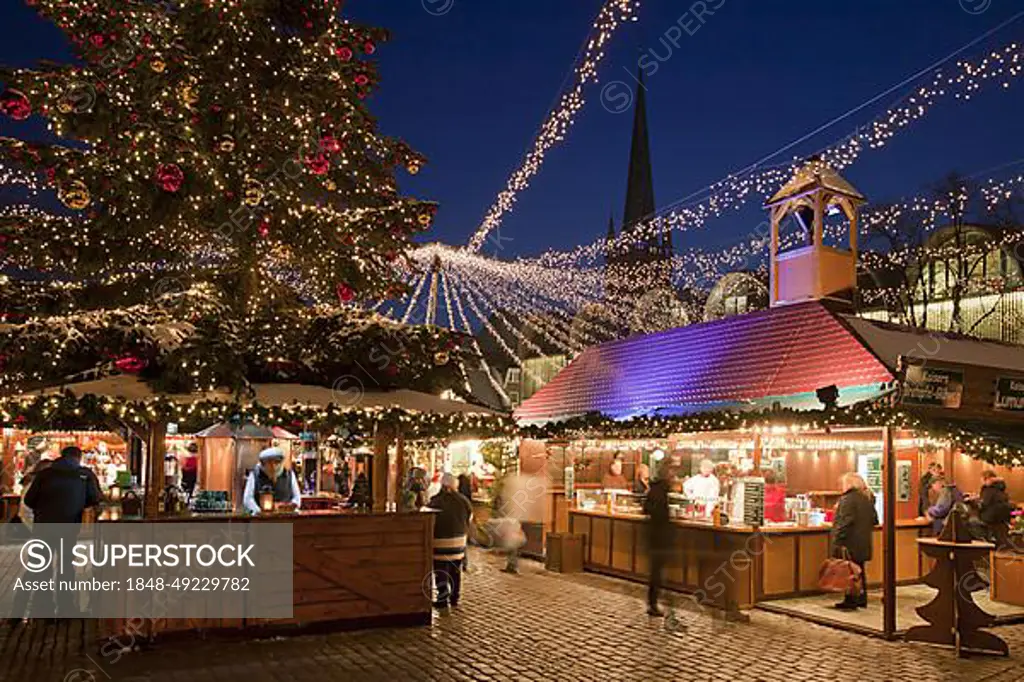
x=271 y=476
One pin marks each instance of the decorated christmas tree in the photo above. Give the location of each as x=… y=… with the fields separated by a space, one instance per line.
x=215 y=207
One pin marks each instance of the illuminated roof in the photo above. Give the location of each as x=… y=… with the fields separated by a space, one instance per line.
x=814 y=174
x=745 y=362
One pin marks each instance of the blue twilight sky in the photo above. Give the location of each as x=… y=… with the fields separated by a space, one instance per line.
x=470 y=86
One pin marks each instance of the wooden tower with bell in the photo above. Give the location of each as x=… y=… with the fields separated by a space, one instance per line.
x=810 y=269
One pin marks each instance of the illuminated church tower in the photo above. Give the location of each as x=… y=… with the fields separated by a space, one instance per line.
x=639 y=259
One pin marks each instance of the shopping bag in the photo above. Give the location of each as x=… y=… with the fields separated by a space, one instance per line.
x=840 y=575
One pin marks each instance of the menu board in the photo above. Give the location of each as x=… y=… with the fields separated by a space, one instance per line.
x=933 y=386
x=570 y=484
x=1010 y=394
x=752 y=494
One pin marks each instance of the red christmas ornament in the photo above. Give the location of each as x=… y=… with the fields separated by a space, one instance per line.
x=51 y=174
x=15 y=104
x=170 y=177
x=345 y=293
x=362 y=79
x=330 y=144
x=369 y=47
x=264 y=228
x=130 y=364
x=97 y=40
x=344 y=52
x=318 y=164
x=391 y=370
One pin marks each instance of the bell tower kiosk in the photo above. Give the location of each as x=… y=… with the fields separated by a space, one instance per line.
x=813 y=270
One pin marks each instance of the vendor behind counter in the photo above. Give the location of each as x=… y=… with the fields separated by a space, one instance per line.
x=270 y=476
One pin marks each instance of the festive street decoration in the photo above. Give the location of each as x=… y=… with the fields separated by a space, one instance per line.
x=866 y=414
x=227 y=177
x=555 y=127
x=65 y=410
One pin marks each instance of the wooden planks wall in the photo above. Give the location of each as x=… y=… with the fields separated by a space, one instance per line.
x=366 y=567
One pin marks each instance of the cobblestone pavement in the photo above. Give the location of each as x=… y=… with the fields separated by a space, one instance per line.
x=534 y=626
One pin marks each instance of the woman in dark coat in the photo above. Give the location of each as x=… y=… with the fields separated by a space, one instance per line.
x=852 y=530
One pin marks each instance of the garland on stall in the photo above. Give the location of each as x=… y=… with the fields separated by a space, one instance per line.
x=879 y=413
x=65 y=411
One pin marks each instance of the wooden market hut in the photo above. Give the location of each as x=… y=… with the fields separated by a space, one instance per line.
x=808 y=353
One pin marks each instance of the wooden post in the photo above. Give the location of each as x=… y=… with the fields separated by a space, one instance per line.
x=400 y=472
x=381 y=441
x=889 y=534
x=757 y=454
x=156 y=447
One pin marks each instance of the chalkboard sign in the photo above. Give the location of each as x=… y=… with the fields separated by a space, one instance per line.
x=753 y=501
x=1010 y=394
x=933 y=387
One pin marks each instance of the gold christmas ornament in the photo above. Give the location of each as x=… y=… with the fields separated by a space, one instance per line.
x=226 y=144
x=64 y=107
x=331 y=185
x=75 y=195
x=252 y=192
x=158 y=65
x=188 y=92
x=413 y=167
x=424 y=219
x=441 y=358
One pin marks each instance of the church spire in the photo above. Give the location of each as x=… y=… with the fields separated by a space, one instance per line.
x=640 y=183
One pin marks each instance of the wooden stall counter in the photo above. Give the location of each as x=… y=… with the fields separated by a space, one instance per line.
x=733 y=566
x=1008 y=577
x=350 y=570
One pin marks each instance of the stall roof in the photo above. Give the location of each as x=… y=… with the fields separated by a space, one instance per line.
x=745 y=362
x=890 y=341
x=349 y=396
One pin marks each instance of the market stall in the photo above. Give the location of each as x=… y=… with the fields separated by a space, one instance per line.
x=789 y=398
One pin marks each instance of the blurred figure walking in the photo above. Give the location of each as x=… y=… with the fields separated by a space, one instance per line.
x=449 y=541
x=659 y=534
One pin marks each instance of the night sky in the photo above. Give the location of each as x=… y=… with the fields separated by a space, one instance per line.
x=470 y=87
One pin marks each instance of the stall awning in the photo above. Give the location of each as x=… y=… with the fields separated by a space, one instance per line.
x=782 y=355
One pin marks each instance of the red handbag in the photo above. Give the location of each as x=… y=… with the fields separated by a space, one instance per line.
x=840 y=575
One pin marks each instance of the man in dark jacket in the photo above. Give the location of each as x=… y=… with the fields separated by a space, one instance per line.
x=659 y=535
x=57 y=497
x=852 y=529
x=63 y=491
x=450 y=527
x=994 y=510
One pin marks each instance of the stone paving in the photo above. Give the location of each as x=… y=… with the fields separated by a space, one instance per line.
x=534 y=626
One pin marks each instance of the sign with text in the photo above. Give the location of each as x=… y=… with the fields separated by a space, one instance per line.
x=148 y=570
x=1010 y=394
x=933 y=387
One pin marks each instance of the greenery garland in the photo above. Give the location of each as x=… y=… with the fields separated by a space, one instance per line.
x=66 y=411
x=879 y=413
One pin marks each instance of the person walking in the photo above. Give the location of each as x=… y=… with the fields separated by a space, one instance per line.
x=659 y=535
x=58 y=497
x=450 y=528
x=852 y=529
x=466 y=490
